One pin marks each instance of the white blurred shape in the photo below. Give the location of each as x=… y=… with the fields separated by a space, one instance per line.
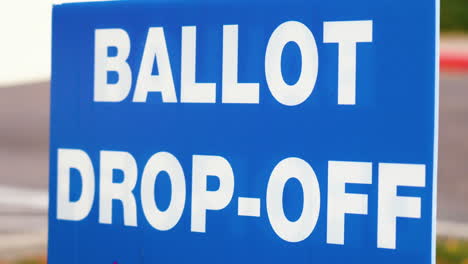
x=24 y=198
x=25 y=42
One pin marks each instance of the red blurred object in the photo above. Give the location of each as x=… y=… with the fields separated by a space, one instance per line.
x=453 y=62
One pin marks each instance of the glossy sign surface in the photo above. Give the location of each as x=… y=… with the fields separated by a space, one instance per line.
x=244 y=132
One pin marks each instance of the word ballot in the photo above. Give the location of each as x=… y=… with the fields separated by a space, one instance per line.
x=244 y=132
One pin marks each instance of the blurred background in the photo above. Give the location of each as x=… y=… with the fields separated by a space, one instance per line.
x=25 y=50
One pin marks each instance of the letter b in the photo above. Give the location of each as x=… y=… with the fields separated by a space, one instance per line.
x=104 y=91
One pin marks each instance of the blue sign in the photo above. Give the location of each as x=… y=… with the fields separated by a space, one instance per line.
x=247 y=132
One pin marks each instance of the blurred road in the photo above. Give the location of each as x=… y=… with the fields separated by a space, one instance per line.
x=24 y=125
x=453 y=149
x=24 y=140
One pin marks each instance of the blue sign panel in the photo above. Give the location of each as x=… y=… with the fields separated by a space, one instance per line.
x=247 y=132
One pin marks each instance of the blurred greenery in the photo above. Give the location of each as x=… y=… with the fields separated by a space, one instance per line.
x=454 y=15
x=28 y=260
x=452 y=251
